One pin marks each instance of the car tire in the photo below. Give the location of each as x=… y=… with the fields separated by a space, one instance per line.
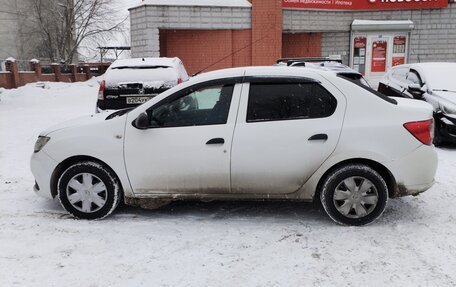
x=354 y=195
x=89 y=190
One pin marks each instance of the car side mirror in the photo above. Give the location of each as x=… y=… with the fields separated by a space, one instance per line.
x=142 y=121
x=416 y=90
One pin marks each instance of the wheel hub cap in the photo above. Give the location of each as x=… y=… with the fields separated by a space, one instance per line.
x=355 y=197
x=86 y=192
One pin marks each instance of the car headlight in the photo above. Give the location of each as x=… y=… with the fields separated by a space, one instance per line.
x=40 y=143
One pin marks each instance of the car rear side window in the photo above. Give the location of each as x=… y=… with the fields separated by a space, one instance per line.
x=289 y=101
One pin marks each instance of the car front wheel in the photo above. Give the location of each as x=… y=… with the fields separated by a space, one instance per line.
x=354 y=195
x=89 y=190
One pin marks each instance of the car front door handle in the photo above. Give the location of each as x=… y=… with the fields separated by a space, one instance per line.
x=319 y=137
x=216 y=141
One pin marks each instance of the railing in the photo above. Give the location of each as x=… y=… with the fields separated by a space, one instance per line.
x=14 y=73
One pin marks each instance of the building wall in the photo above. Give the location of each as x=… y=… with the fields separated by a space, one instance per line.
x=211 y=49
x=146 y=21
x=336 y=43
x=266 y=31
x=301 y=45
x=431 y=40
x=8 y=40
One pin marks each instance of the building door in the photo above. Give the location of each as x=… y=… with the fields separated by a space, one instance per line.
x=374 y=53
x=378 y=57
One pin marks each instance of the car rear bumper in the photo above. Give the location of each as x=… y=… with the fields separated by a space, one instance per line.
x=42 y=167
x=118 y=103
x=415 y=172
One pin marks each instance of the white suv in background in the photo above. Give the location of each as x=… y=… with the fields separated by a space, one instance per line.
x=258 y=133
x=131 y=82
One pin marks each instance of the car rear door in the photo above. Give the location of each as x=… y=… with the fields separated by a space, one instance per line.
x=286 y=128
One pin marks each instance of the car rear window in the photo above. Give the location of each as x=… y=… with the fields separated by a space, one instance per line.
x=140 y=67
x=369 y=89
x=289 y=101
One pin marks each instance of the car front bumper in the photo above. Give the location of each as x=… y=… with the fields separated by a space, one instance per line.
x=42 y=167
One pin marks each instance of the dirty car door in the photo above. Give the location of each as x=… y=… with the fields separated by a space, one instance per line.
x=187 y=149
x=286 y=129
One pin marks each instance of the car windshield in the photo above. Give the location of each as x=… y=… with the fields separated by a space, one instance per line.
x=149 y=76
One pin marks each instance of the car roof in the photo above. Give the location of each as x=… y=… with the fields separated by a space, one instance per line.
x=325 y=64
x=428 y=65
x=333 y=67
x=260 y=71
x=146 y=62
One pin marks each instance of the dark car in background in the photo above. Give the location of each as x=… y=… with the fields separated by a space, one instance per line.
x=434 y=83
x=131 y=82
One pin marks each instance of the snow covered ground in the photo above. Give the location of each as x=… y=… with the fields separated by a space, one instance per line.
x=206 y=244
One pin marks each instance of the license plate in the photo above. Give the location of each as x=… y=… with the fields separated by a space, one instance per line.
x=137 y=100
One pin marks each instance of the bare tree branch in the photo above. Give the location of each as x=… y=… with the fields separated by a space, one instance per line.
x=62 y=25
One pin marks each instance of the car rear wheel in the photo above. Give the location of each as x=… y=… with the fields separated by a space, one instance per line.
x=354 y=195
x=88 y=190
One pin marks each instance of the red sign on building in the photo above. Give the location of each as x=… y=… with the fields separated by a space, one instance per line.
x=379 y=49
x=365 y=4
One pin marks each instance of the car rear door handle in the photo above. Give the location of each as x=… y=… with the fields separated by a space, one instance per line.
x=319 y=137
x=216 y=141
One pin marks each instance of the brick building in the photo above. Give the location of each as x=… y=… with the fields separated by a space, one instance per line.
x=369 y=35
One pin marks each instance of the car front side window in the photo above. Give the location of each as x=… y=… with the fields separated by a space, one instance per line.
x=400 y=74
x=204 y=106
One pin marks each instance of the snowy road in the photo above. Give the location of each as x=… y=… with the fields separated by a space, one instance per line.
x=200 y=244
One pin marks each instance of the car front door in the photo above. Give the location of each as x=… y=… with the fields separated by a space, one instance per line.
x=186 y=150
x=286 y=128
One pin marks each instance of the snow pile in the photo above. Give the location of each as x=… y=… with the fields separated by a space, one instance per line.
x=205 y=244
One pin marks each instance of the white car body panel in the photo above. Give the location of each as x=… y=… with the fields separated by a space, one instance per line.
x=90 y=136
x=178 y=160
x=262 y=161
x=172 y=162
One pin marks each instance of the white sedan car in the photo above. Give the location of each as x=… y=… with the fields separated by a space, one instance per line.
x=275 y=133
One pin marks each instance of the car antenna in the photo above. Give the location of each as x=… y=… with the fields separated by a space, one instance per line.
x=235 y=52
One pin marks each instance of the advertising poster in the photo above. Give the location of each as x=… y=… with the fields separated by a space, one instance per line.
x=399 y=50
x=379 y=48
x=359 y=60
x=398 y=61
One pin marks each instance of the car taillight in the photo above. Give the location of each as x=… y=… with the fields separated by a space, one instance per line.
x=422 y=130
x=179 y=81
x=101 y=90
